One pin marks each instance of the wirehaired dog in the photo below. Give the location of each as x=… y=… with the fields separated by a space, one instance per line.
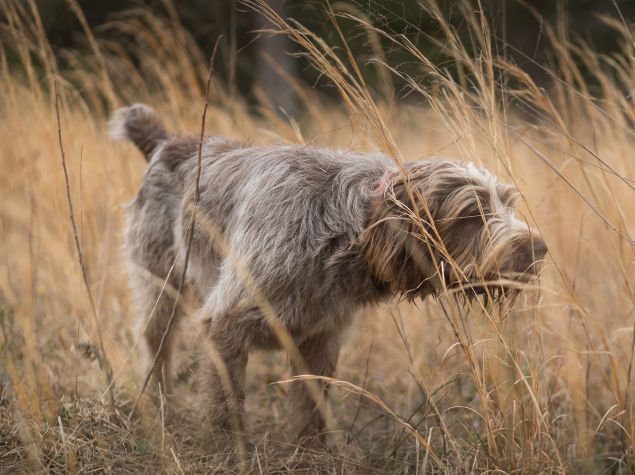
x=309 y=237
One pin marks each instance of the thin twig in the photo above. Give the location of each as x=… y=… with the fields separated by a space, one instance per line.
x=190 y=231
x=103 y=361
x=59 y=421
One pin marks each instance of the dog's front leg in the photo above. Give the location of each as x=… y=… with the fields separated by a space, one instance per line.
x=308 y=398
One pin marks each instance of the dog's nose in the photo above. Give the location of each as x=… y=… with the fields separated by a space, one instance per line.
x=530 y=253
x=539 y=248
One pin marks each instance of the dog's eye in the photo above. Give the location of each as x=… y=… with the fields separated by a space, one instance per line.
x=470 y=225
x=477 y=221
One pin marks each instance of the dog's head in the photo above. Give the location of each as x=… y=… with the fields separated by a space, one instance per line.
x=441 y=224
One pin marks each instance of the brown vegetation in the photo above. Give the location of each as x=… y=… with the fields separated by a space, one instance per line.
x=542 y=387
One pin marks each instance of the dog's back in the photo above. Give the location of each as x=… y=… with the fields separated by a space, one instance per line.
x=287 y=213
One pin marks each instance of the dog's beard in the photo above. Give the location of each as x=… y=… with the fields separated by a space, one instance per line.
x=489 y=295
x=495 y=290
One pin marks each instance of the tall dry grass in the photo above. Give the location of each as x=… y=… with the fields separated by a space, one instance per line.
x=545 y=386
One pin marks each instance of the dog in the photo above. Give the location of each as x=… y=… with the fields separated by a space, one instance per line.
x=289 y=242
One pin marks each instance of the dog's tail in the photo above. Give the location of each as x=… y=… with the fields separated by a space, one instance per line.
x=140 y=124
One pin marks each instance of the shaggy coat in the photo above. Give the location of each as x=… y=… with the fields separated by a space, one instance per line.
x=289 y=242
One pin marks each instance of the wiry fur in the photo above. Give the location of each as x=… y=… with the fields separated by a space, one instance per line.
x=322 y=233
x=139 y=124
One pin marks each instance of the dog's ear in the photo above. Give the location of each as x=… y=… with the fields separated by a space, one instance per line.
x=390 y=244
x=382 y=246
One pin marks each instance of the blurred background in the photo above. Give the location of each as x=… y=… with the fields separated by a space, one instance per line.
x=251 y=62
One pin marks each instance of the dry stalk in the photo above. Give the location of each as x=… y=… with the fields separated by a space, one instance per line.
x=628 y=413
x=104 y=363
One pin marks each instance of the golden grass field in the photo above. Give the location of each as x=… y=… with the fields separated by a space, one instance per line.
x=545 y=386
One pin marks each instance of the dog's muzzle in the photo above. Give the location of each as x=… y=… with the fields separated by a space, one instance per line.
x=525 y=266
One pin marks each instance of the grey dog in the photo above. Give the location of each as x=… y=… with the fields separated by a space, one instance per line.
x=289 y=242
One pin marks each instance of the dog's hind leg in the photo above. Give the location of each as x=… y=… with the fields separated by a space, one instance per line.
x=155 y=305
x=154 y=277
